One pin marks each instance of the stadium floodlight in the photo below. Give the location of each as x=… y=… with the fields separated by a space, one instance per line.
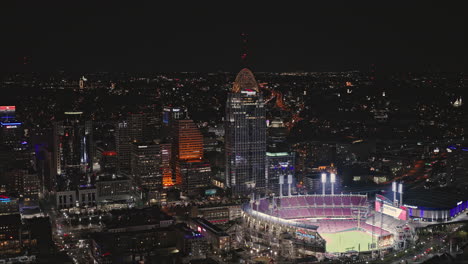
x=289 y=184
x=324 y=180
x=324 y=177
x=332 y=180
x=400 y=190
x=281 y=182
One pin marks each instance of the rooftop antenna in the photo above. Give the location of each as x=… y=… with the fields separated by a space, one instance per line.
x=245 y=51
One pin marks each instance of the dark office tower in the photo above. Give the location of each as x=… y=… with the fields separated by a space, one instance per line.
x=23 y=182
x=170 y=116
x=42 y=141
x=73 y=140
x=45 y=166
x=166 y=166
x=195 y=176
x=11 y=134
x=136 y=122
x=10 y=129
x=279 y=158
x=128 y=132
x=109 y=162
x=245 y=135
x=146 y=168
x=123 y=145
x=152 y=127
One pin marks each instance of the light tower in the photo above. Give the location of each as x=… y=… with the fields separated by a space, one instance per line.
x=289 y=184
x=394 y=190
x=400 y=190
x=281 y=182
x=333 y=180
x=324 y=180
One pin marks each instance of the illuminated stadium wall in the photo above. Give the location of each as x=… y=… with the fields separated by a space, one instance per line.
x=419 y=212
x=415 y=212
x=391 y=210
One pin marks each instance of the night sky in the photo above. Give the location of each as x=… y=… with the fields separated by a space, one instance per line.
x=151 y=37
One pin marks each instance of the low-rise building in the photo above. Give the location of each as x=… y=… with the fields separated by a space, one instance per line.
x=215 y=236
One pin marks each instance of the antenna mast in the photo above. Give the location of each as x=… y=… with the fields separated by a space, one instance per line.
x=245 y=51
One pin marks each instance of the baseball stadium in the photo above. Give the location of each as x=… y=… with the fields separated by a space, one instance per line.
x=307 y=225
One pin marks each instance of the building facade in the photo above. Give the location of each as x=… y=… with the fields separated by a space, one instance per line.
x=245 y=135
x=73 y=146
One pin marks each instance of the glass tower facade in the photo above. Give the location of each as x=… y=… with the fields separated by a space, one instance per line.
x=245 y=136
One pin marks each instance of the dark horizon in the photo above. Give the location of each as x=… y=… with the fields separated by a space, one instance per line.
x=152 y=38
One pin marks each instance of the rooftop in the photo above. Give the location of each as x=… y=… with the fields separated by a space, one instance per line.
x=209 y=226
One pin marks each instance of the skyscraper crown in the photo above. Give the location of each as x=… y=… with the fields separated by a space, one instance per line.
x=245 y=80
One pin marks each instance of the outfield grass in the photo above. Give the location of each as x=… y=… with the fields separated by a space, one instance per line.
x=349 y=240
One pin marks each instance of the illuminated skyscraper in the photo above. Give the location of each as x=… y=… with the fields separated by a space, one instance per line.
x=188 y=141
x=245 y=135
x=188 y=145
x=169 y=152
x=192 y=172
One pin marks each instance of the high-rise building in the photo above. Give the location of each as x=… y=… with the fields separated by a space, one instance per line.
x=169 y=151
x=10 y=128
x=279 y=157
x=187 y=145
x=192 y=172
x=42 y=139
x=188 y=141
x=166 y=166
x=109 y=161
x=136 y=122
x=127 y=132
x=245 y=135
x=123 y=145
x=73 y=140
x=195 y=176
x=170 y=116
x=23 y=182
x=146 y=167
